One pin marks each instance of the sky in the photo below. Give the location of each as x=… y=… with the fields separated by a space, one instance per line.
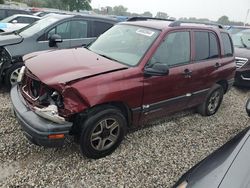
x=236 y=10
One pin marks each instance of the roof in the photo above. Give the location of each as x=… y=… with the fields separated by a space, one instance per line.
x=163 y=24
x=62 y=16
x=27 y=15
x=107 y=18
x=155 y=24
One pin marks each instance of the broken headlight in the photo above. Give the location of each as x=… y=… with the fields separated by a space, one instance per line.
x=51 y=98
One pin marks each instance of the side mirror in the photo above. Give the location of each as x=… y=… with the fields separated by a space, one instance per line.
x=248 y=107
x=14 y=21
x=157 y=69
x=54 y=39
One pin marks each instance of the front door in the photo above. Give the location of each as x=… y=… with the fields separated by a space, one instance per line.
x=169 y=93
x=62 y=29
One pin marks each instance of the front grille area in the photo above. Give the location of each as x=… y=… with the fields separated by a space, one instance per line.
x=4 y=56
x=33 y=90
x=240 y=62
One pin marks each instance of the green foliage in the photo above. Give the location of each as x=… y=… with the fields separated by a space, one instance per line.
x=59 y=4
x=77 y=4
x=120 y=10
x=194 y=19
x=1 y=1
x=147 y=14
x=162 y=15
x=225 y=21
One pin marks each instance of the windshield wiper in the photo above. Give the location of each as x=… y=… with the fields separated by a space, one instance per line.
x=109 y=58
x=243 y=43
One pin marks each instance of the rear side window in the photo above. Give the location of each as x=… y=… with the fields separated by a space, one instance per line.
x=12 y=12
x=2 y=14
x=174 y=50
x=206 y=46
x=25 y=20
x=99 y=28
x=79 y=29
x=214 y=47
x=227 y=45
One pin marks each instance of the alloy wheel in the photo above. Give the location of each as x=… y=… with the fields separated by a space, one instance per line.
x=105 y=134
x=214 y=101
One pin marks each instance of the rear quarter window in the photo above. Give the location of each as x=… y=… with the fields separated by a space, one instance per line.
x=99 y=27
x=2 y=14
x=227 y=45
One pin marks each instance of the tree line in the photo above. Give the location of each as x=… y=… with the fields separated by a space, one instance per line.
x=119 y=10
x=69 y=5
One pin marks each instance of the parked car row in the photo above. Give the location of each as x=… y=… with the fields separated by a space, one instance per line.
x=6 y=12
x=93 y=78
x=241 y=42
x=16 y=22
x=50 y=33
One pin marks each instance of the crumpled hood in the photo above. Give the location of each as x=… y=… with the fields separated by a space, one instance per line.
x=62 y=66
x=10 y=39
x=242 y=52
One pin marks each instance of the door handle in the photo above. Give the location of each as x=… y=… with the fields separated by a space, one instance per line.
x=187 y=73
x=217 y=65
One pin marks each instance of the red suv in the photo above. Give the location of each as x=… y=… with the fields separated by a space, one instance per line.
x=135 y=72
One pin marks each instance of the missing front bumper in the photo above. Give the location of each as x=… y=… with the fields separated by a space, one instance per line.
x=36 y=128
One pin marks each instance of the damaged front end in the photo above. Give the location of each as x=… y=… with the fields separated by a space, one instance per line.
x=5 y=60
x=40 y=111
x=43 y=100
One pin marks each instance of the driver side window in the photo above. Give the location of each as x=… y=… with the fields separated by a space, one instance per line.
x=174 y=50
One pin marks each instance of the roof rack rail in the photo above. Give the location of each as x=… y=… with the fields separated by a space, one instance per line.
x=142 y=18
x=178 y=23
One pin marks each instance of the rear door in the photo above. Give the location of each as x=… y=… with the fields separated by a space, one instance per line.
x=2 y=14
x=85 y=32
x=79 y=33
x=169 y=93
x=206 y=64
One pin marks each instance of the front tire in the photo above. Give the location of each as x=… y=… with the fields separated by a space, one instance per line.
x=102 y=132
x=11 y=75
x=212 y=102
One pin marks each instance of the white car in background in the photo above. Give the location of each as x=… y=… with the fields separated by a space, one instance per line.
x=16 y=22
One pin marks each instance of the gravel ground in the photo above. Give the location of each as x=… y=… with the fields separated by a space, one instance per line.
x=155 y=156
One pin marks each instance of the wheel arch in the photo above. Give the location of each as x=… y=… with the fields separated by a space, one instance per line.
x=124 y=108
x=223 y=84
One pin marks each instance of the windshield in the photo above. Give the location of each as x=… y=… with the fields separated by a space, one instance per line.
x=125 y=44
x=8 y=19
x=37 y=26
x=242 y=39
x=234 y=30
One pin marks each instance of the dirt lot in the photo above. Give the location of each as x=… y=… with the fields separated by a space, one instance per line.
x=152 y=157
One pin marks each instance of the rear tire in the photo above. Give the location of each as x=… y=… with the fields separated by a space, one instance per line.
x=102 y=132
x=212 y=102
x=11 y=75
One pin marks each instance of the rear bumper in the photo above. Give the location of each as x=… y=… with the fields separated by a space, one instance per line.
x=242 y=78
x=36 y=128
